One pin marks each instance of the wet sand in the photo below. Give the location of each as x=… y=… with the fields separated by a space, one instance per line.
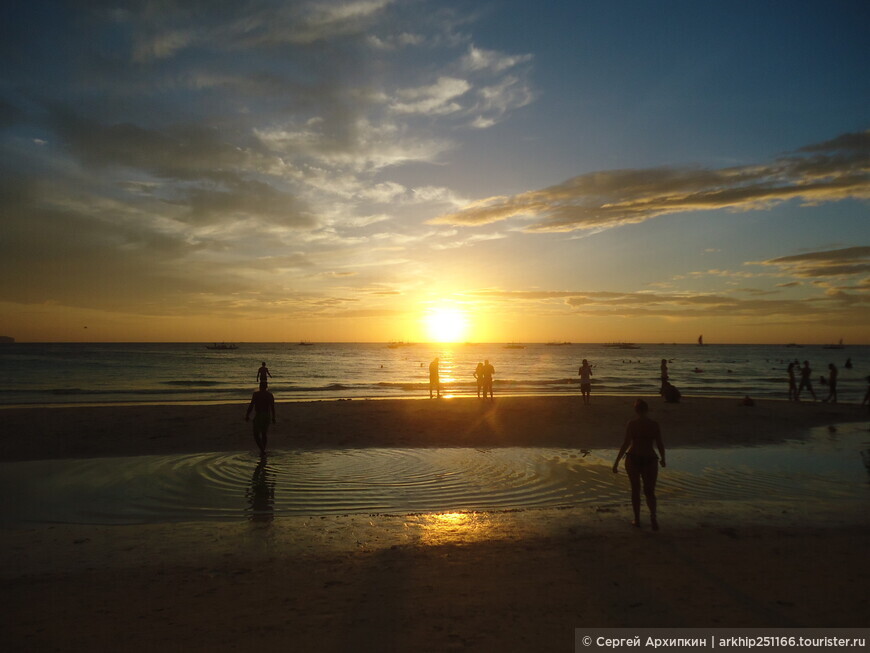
x=514 y=581
x=85 y=432
x=494 y=581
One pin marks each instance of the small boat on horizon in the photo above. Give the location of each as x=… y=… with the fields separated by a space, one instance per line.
x=839 y=345
x=620 y=345
x=514 y=345
x=222 y=346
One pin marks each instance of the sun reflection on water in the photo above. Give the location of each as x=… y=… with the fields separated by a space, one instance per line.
x=454 y=527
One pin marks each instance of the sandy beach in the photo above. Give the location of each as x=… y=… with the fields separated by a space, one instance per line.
x=518 y=580
x=531 y=421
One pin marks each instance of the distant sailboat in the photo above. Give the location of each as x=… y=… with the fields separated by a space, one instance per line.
x=839 y=345
x=701 y=340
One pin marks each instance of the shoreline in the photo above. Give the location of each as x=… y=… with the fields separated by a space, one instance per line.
x=513 y=579
x=508 y=421
x=518 y=581
x=404 y=397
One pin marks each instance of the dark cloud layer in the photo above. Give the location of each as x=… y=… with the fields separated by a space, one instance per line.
x=831 y=263
x=830 y=171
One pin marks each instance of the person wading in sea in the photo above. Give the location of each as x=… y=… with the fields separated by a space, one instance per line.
x=641 y=462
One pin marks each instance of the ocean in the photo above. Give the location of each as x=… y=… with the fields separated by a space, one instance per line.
x=63 y=373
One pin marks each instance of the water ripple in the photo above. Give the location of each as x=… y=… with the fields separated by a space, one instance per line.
x=218 y=486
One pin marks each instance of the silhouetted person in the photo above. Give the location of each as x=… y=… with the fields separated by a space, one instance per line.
x=665 y=377
x=478 y=376
x=488 y=371
x=670 y=393
x=806 y=380
x=832 y=384
x=641 y=462
x=263 y=374
x=848 y=364
x=434 y=379
x=263 y=405
x=585 y=380
x=792 y=384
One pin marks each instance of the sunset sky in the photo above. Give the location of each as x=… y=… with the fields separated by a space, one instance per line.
x=378 y=170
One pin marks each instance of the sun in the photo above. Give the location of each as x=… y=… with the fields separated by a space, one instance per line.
x=446 y=325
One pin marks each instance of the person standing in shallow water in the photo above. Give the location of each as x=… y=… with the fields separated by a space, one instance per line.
x=585 y=381
x=434 y=379
x=263 y=374
x=263 y=405
x=641 y=462
x=478 y=375
x=792 y=384
x=806 y=381
x=488 y=371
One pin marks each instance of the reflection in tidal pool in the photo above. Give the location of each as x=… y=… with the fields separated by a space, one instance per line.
x=230 y=486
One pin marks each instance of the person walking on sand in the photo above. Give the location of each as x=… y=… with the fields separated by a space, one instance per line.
x=488 y=371
x=263 y=405
x=832 y=384
x=641 y=462
x=585 y=381
x=792 y=384
x=434 y=380
x=806 y=381
x=478 y=376
x=263 y=374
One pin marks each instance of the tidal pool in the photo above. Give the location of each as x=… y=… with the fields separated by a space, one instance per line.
x=827 y=465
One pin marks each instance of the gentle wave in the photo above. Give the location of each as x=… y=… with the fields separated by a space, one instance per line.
x=70 y=373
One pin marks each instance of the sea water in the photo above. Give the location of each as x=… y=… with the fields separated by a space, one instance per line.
x=189 y=372
x=826 y=466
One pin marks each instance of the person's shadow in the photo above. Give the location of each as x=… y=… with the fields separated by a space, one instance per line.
x=261 y=493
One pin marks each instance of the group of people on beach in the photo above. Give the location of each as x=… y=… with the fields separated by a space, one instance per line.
x=642 y=437
x=806 y=382
x=483 y=375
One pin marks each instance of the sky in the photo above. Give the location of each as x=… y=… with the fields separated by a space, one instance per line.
x=376 y=170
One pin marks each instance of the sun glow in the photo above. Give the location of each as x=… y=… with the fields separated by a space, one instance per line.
x=446 y=325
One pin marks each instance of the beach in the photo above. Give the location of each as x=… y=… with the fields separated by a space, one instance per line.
x=521 y=421
x=519 y=580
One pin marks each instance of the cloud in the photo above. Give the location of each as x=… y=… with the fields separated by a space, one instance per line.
x=184 y=152
x=436 y=99
x=831 y=263
x=479 y=59
x=394 y=42
x=829 y=171
x=849 y=307
x=362 y=146
x=245 y=199
x=165 y=29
